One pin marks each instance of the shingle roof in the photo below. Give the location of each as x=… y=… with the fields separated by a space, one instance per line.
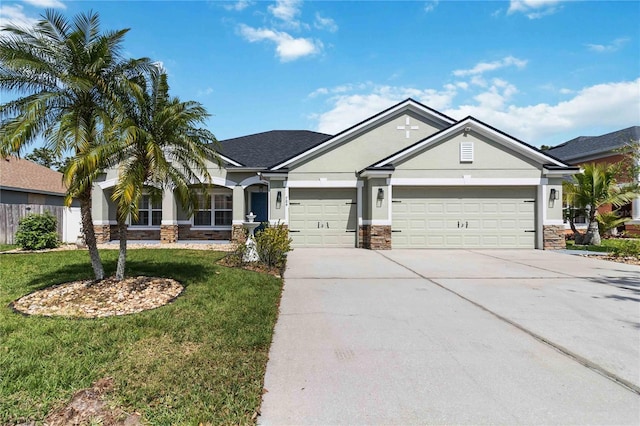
x=585 y=146
x=23 y=174
x=269 y=148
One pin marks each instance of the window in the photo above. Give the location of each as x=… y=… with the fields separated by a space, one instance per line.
x=149 y=212
x=214 y=210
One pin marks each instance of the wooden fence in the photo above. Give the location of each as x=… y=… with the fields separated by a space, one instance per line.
x=10 y=215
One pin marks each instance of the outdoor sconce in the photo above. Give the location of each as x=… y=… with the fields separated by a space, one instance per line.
x=278 y=199
x=554 y=194
x=380 y=194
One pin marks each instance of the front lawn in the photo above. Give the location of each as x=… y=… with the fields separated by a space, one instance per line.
x=200 y=359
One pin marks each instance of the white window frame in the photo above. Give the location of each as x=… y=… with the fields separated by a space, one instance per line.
x=212 y=209
x=150 y=209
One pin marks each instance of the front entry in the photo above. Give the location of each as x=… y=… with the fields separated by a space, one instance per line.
x=259 y=207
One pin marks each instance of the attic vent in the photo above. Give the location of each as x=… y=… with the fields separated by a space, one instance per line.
x=466 y=152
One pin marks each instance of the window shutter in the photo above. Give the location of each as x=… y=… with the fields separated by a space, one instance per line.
x=466 y=152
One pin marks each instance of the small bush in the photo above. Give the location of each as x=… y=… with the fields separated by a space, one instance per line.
x=37 y=231
x=628 y=248
x=273 y=244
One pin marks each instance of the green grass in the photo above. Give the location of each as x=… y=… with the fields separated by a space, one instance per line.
x=607 y=245
x=199 y=359
x=5 y=247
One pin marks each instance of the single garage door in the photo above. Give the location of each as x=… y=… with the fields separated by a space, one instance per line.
x=322 y=217
x=426 y=217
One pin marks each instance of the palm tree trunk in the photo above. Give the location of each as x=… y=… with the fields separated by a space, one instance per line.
x=592 y=236
x=122 y=255
x=90 y=234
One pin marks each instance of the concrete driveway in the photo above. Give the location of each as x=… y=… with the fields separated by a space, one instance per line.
x=455 y=337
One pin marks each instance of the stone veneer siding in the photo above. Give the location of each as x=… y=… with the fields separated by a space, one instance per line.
x=103 y=233
x=238 y=234
x=632 y=230
x=374 y=237
x=185 y=232
x=553 y=237
x=168 y=234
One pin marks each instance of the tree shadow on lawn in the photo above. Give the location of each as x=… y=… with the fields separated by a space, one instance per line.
x=183 y=272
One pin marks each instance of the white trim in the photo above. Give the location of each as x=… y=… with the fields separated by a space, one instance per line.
x=168 y=222
x=229 y=160
x=183 y=222
x=540 y=214
x=408 y=105
x=237 y=222
x=324 y=183
x=544 y=202
x=560 y=173
x=359 y=204
x=556 y=222
x=143 y=227
x=376 y=173
x=275 y=222
x=385 y=222
x=466 y=126
x=252 y=181
x=390 y=201
x=109 y=183
x=469 y=181
x=105 y=222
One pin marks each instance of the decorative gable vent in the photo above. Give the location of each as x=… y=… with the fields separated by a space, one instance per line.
x=466 y=152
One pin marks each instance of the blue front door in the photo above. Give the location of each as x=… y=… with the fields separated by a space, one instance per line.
x=259 y=206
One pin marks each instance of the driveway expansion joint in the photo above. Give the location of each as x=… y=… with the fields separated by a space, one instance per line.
x=569 y=354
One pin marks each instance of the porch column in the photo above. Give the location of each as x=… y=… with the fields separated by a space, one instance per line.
x=169 y=224
x=100 y=212
x=239 y=213
x=375 y=231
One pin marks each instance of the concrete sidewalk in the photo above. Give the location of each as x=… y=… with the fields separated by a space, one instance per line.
x=370 y=337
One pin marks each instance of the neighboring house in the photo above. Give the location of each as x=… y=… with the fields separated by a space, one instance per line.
x=25 y=182
x=27 y=187
x=604 y=149
x=408 y=177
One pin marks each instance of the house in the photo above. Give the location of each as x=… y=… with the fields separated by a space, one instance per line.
x=604 y=149
x=407 y=177
x=25 y=182
x=27 y=187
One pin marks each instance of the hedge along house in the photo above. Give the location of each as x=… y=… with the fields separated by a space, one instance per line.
x=408 y=177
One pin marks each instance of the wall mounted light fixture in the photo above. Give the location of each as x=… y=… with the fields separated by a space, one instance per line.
x=380 y=194
x=554 y=194
x=278 y=199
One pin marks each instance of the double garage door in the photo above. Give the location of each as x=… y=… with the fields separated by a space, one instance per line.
x=323 y=217
x=422 y=217
x=463 y=217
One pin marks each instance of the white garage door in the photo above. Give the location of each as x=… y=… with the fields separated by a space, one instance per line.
x=322 y=217
x=463 y=217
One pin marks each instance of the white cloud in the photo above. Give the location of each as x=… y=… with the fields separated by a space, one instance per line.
x=612 y=105
x=204 y=92
x=483 y=67
x=47 y=4
x=323 y=23
x=565 y=91
x=431 y=5
x=534 y=9
x=287 y=11
x=237 y=6
x=611 y=47
x=14 y=15
x=288 y=48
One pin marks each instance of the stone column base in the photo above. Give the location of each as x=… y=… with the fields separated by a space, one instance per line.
x=103 y=233
x=375 y=237
x=168 y=234
x=553 y=237
x=238 y=234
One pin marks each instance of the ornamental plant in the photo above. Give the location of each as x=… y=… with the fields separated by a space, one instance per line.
x=273 y=244
x=37 y=232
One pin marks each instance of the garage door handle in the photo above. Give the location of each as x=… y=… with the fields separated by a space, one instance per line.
x=393 y=230
x=529 y=230
x=466 y=224
x=350 y=230
x=291 y=230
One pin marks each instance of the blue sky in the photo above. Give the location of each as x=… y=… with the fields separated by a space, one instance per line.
x=543 y=71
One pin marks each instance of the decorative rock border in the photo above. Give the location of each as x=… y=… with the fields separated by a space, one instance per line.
x=109 y=297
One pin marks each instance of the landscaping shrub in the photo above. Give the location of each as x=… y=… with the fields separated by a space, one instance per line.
x=628 y=248
x=37 y=231
x=273 y=243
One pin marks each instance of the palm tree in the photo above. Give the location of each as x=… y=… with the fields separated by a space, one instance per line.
x=159 y=146
x=67 y=74
x=594 y=187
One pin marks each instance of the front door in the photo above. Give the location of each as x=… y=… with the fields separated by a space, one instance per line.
x=259 y=207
